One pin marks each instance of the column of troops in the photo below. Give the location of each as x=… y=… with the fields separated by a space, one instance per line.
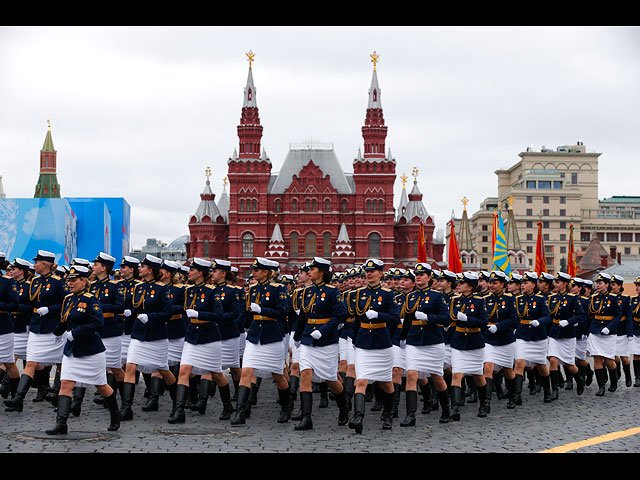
x=364 y=335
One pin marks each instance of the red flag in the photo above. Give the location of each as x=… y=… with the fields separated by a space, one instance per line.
x=494 y=233
x=422 y=248
x=541 y=262
x=455 y=263
x=571 y=264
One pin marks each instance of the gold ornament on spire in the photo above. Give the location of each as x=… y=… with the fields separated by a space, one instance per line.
x=374 y=58
x=414 y=173
x=510 y=201
x=464 y=201
x=207 y=173
x=49 y=124
x=250 y=57
x=404 y=180
x=224 y=183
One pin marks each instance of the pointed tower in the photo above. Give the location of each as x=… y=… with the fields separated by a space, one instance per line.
x=249 y=174
x=343 y=255
x=469 y=256
x=223 y=203
x=374 y=175
x=276 y=248
x=404 y=201
x=207 y=227
x=48 y=186
x=517 y=256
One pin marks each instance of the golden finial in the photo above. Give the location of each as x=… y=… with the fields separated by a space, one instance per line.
x=374 y=58
x=207 y=173
x=224 y=183
x=49 y=124
x=510 y=201
x=414 y=173
x=404 y=180
x=464 y=201
x=250 y=57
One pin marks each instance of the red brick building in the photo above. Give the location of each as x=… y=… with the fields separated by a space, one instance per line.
x=311 y=207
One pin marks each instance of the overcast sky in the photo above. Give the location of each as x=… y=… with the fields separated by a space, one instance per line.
x=140 y=112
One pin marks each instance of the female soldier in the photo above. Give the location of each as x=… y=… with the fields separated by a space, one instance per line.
x=604 y=314
x=425 y=314
x=447 y=284
x=634 y=347
x=202 y=353
x=625 y=330
x=9 y=303
x=149 y=347
x=266 y=309
x=321 y=312
x=294 y=367
x=44 y=347
x=84 y=361
x=377 y=314
x=531 y=335
x=21 y=273
x=130 y=278
x=567 y=315
x=586 y=290
x=499 y=336
x=467 y=343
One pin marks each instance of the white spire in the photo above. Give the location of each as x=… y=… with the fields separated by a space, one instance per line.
x=374 y=93
x=276 y=236
x=343 y=236
x=250 y=92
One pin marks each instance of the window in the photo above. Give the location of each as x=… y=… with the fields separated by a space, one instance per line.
x=529 y=199
x=563 y=249
x=531 y=184
x=585 y=236
x=548 y=249
x=574 y=178
x=327 y=204
x=293 y=246
x=307 y=205
x=485 y=260
x=314 y=205
x=563 y=237
x=549 y=260
x=545 y=212
x=563 y=200
x=253 y=206
x=557 y=185
x=294 y=205
x=247 y=245
x=627 y=251
x=374 y=245
x=637 y=237
x=600 y=236
x=485 y=228
x=485 y=238
x=368 y=205
x=326 y=244
x=563 y=212
x=529 y=212
x=415 y=248
x=529 y=249
x=626 y=237
x=544 y=184
x=242 y=205
x=485 y=249
x=278 y=205
x=563 y=224
x=545 y=236
x=344 y=205
x=545 y=199
x=529 y=236
x=529 y=224
x=205 y=247
x=612 y=237
x=310 y=245
x=545 y=224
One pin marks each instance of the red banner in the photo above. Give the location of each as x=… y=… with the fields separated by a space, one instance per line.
x=455 y=263
x=422 y=248
x=541 y=262
x=571 y=264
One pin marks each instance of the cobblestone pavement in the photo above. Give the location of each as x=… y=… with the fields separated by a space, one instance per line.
x=535 y=426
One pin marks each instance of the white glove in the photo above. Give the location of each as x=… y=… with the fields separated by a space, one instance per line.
x=316 y=334
x=69 y=336
x=297 y=344
x=43 y=310
x=127 y=313
x=403 y=344
x=534 y=323
x=340 y=325
x=143 y=318
x=255 y=308
x=191 y=313
x=584 y=337
x=297 y=312
x=371 y=314
x=462 y=317
x=492 y=329
x=604 y=331
x=563 y=323
x=421 y=315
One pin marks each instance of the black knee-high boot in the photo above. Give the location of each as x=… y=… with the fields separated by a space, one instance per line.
x=152 y=404
x=76 y=400
x=306 y=405
x=627 y=374
x=601 y=380
x=613 y=378
x=227 y=406
x=324 y=395
x=636 y=372
x=443 y=398
x=241 y=409
x=16 y=403
x=510 y=384
x=356 y=422
x=343 y=410
x=203 y=396
x=64 y=405
x=41 y=382
x=111 y=402
x=294 y=385
x=411 y=397
x=483 y=398
x=178 y=415
x=425 y=390
x=128 y=391
x=456 y=394
x=387 y=410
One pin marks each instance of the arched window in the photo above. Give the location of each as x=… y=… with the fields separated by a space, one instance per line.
x=307 y=205
x=242 y=205
x=247 y=245
x=374 y=245
x=294 y=245
x=344 y=205
x=368 y=205
x=314 y=206
x=278 y=207
x=326 y=244
x=310 y=245
x=327 y=205
x=294 y=205
x=253 y=206
x=205 y=247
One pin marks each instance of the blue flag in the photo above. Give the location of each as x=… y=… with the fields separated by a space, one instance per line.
x=500 y=254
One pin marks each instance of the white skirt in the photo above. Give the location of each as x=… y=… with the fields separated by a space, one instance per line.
x=634 y=347
x=295 y=353
x=287 y=339
x=6 y=348
x=322 y=360
x=447 y=356
x=622 y=346
x=581 y=349
x=113 y=353
x=343 y=344
x=564 y=349
x=266 y=359
x=532 y=351
x=175 y=350
x=427 y=359
x=601 y=345
x=45 y=348
x=230 y=353
x=20 y=344
x=374 y=365
x=469 y=362
x=351 y=352
x=242 y=344
x=150 y=357
x=204 y=358
x=399 y=358
x=85 y=371
x=126 y=340
x=500 y=355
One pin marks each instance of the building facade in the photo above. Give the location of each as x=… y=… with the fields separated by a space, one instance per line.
x=311 y=206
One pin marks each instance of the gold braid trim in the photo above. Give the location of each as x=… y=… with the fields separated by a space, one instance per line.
x=67 y=312
x=525 y=311
x=307 y=308
x=366 y=305
x=133 y=299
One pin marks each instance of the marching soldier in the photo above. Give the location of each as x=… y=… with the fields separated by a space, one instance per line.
x=130 y=278
x=321 y=312
x=625 y=330
x=376 y=315
x=84 y=359
x=634 y=348
x=9 y=304
x=294 y=367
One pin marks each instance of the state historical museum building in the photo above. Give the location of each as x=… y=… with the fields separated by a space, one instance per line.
x=311 y=207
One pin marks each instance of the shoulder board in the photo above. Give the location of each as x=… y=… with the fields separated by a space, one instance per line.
x=386 y=289
x=507 y=294
x=274 y=284
x=457 y=295
x=613 y=294
x=572 y=294
x=6 y=276
x=113 y=282
x=68 y=295
x=212 y=287
x=330 y=286
x=479 y=297
x=160 y=283
x=56 y=277
x=88 y=295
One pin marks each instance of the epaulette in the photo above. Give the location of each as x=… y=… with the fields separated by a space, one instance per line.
x=212 y=287
x=614 y=294
x=157 y=282
x=479 y=297
x=385 y=289
x=56 y=277
x=572 y=294
x=87 y=294
x=508 y=294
